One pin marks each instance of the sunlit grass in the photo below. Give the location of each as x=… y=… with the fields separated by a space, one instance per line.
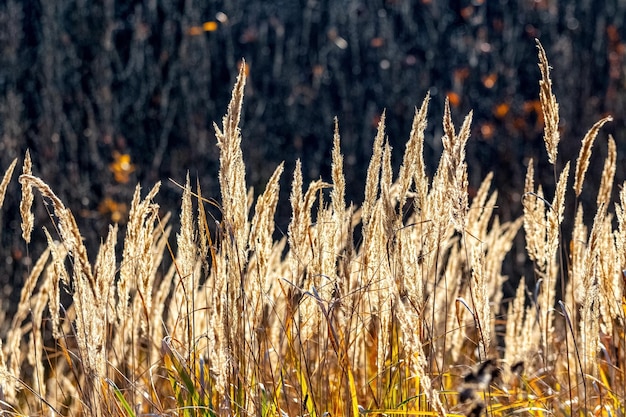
x=312 y=324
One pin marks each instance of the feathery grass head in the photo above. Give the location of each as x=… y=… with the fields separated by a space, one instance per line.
x=412 y=168
x=372 y=180
x=608 y=174
x=67 y=227
x=338 y=193
x=232 y=173
x=28 y=218
x=549 y=106
x=456 y=166
x=582 y=163
x=5 y=180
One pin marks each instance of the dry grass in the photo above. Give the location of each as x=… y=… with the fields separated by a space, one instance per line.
x=410 y=321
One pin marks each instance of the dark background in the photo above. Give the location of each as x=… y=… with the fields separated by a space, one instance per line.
x=83 y=82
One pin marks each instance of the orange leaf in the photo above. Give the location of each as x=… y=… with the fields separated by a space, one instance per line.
x=210 y=26
x=501 y=110
x=455 y=99
x=377 y=42
x=490 y=80
x=116 y=210
x=121 y=167
x=461 y=74
x=487 y=130
x=194 y=31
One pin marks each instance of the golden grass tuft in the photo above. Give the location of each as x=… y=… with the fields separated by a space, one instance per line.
x=608 y=174
x=582 y=163
x=5 y=180
x=549 y=106
x=410 y=320
x=456 y=167
x=28 y=218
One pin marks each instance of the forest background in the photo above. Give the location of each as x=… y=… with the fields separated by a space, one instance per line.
x=110 y=93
